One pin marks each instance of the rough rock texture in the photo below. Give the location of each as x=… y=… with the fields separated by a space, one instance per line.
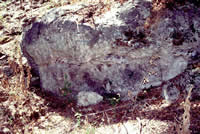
x=170 y=92
x=111 y=51
x=88 y=98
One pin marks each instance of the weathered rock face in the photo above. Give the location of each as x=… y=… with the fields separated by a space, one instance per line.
x=110 y=52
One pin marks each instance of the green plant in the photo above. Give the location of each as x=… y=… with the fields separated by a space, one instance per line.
x=10 y=119
x=90 y=130
x=1 y=18
x=78 y=119
x=66 y=88
x=114 y=100
x=50 y=6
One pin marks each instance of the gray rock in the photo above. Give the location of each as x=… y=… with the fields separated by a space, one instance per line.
x=196 y=89
x=170 y=92
x=109 y=52
x=88 y=98
x=8 y=71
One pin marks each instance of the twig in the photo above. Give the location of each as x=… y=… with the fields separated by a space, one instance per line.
x=28 y=69
x=22 y=80
x=108 y=110
x=108 y=120
x=186 y=114
x=140 y=125
x=124 y=115
x=77 y=26
x=125 y=128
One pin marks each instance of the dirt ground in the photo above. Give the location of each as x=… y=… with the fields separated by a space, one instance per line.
x=25 y=108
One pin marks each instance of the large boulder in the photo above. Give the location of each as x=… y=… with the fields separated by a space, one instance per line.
x=110 y=51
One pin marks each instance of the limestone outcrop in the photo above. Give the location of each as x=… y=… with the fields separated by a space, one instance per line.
x=110 y=51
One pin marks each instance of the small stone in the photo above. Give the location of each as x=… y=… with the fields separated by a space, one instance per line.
x=88 y=98
x=24 y=61
x=170 y=92
x=7 y=70
x=6 y=130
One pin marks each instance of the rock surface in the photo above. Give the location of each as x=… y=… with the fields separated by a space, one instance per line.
x=110 y=51
x=88 y=98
